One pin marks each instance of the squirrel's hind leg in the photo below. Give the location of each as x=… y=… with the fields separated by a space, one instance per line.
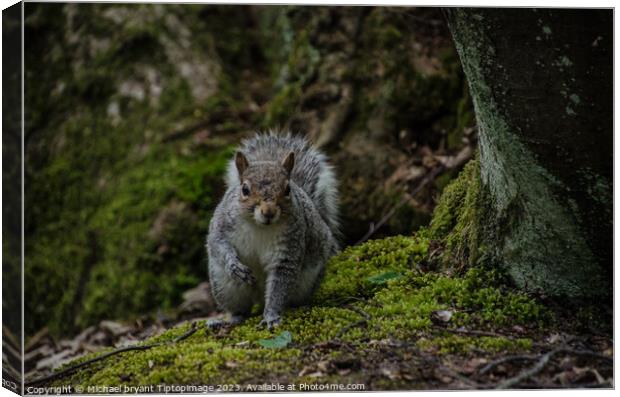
x=308 y=281
x=232 y=297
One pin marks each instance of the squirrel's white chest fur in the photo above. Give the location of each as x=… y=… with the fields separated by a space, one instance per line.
x=257 y=246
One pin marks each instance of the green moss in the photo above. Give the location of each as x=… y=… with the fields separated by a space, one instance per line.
x=376 y=308
x=201 y=359
x=148 y=230
x=295 y=58
x=407 y=305
x=456 y=219
x=348 y=273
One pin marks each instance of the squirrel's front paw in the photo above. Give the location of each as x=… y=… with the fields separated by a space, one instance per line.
x=242 y=273
x=270 y=321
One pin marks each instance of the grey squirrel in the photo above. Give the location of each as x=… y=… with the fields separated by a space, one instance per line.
x=275 y=228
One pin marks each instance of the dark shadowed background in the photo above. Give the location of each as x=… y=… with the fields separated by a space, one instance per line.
x=133 y=110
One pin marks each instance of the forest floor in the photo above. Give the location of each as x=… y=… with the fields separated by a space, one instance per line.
x=557 y=359
x=398 y=326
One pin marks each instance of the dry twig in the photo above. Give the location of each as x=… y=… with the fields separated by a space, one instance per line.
x=455 y=375
x=542 y=362
x=503 y=360
x=358 y=311
x=376 y=226
x=475 y=333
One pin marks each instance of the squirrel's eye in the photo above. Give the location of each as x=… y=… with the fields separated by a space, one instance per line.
x=245 y=189
x=287 y=191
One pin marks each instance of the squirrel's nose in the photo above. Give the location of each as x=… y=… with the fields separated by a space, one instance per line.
x=268 y=213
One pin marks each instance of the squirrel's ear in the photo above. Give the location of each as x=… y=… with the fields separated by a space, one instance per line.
x=289 y=162
x=241 y=162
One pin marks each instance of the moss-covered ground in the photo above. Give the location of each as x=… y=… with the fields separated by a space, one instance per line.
x=373 y=295
x=388 y=316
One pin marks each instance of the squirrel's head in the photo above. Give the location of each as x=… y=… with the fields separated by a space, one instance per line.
x=264 y=192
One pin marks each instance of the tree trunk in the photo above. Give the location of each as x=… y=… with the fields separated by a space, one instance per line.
x=541 y=83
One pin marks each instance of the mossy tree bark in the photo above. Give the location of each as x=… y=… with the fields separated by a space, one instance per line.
x=541 y=83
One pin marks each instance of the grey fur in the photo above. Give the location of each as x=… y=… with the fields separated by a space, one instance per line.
x=277 y=265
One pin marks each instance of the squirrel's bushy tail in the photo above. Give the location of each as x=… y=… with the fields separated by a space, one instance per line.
x=311 y=172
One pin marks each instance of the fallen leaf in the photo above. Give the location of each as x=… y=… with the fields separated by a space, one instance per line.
x=306 y=370
x=554 y=338
x=390 y=373
x=198 y=299
x=384 y=277
x=277 y=342
x=35 y=340
x=54 y=361
x=323 y=366
x=114 y=328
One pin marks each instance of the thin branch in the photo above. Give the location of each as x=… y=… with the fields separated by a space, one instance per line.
x=360 y=323
x=358 y=311
x=503 y=360
x=347 y=328
x=539 y=366
x=542 y=362
x=375 y=226
x=187 y=334
x=455 y=375
x=592 y=385
x=73 y=368
x=475 y=333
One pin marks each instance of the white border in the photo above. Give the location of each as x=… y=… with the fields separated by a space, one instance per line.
x=479 y=3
